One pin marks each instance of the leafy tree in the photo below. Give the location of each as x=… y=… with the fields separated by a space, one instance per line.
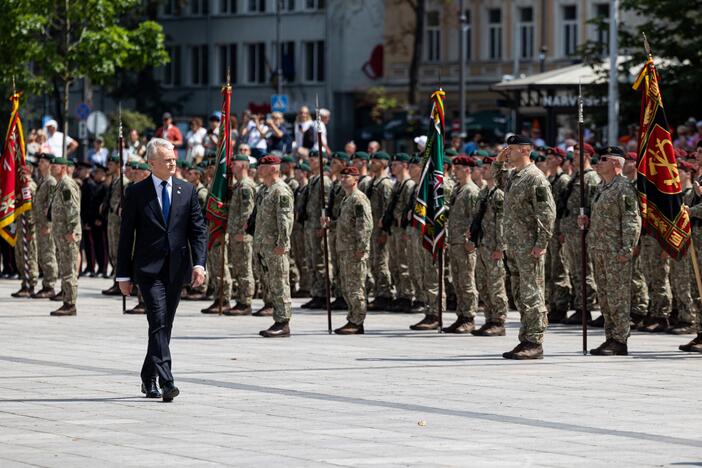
x=131 y=120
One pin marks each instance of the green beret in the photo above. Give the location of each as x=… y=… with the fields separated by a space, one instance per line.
x=451 y=152
x=381 y=155
x=70 y=163
x=327 y=168
x=448 y=162
x=594 y=160
x=180 y=163
x=48 y=156
x=341 y=156
x=143 y=166
x=114 y=158
x=416 y=159
x=534 y=155
x=402 y=157
x=288 y=160
x=304 y=167
x=314 y=154
x=569 y=155
x=253 y=165
x=478 y=162
x=241 y=157
x=362 y=155
x=482 y=153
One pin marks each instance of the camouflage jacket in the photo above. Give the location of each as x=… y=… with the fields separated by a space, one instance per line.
x=355 y=223
x=568 y=222
x=274 y=218
x=241 y=205
x=492 y=222
x=314 y=209
x=462 y=208
x=65 y=209
x=615 y=223
x=379 y=194
x=42 y=198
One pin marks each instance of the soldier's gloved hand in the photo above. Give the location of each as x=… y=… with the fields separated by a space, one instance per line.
x=537 y=252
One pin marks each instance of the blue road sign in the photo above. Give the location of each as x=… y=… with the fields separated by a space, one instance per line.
x=83 y=111
x=279 y=103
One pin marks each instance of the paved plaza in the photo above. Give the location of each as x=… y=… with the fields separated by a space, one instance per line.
x=69 y=394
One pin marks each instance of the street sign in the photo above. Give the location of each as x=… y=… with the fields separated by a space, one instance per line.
x=97 y=123
x=82 y=111
x=279 y=103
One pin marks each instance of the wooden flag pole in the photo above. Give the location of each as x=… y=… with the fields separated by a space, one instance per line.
x=583 y=230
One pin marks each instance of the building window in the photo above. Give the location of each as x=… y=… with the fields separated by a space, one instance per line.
x=468 y=31
x=228 y=7
x=256 y=6
x=570 y=29
x=171 y=71
x=227 y=62
x=495 y=33
x=286 y=5
x=314 y=61
x=199 y=7
x=172 y=8
x=287 y=58
x=602 y=15
x=199 y=66
x=526 y=33
x=256 y=63
x=433 y=37
x=314 y=4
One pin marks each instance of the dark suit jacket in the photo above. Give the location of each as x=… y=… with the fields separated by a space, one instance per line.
x=145 y=241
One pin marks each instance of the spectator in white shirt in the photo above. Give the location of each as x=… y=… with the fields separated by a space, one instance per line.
x=55 y=140
x=98 y=155
x=254 y=134
x=195 y=140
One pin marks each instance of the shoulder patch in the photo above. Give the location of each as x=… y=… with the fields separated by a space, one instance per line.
x=66 y=195
x=629 y=204
x=358 y=209
x=541 y=194
x=246 y=194
x=284 y=201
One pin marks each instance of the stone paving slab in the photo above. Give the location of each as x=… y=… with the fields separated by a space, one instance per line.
x=69 y=394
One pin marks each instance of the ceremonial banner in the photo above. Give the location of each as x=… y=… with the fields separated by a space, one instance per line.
x=429 y=211
x=658 y=181
x=15 y=195
x=217 y=207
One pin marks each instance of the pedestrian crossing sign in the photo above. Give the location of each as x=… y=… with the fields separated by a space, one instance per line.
x=279 y=103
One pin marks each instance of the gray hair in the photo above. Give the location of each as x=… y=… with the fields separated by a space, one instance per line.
x=324 y=113
x=155 y=143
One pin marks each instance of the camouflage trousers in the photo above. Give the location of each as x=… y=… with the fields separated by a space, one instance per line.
x=215 y=255
x=380 y=266
x=67 y=256
x=680 y=273
x=697 y=240
x=276 y=270
x=639 y=290
x=573 y=252
x=113 y=224
x=31 y=269
x=46 y=252
x=490 y=281
x=657 y=271
x=527 y=282
x=241 y=262
x=400 y=257
x=336 y=290
x=353 y=272
x=297 y=251
x=427 y=273
x=314 y=250
x=558 y=286
x=463 y=268
x=613 y=293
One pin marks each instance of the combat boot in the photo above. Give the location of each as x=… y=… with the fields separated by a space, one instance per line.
x=350 y=329
x=239 y=310
x=680 y=328
x=300 y=293
x=529 y=351
x=418 y=307
x=65 y=310
x=452 y=303
x=112 y=290
x=214 y=308
x=688 y=346
x=402 y=305
x=380 y=303
x=599 y=322
x=139 y=309
x=518 y=348
x=462 y=326
x=611 y=347
x=339 y=304
x=577 y=318
x=58 y=297
x=429 y=322
x=315 y=303
x=277 y=330
x=265 y=311
x=44 y=293
x=24 y=292
x=195 y=296
x=490 y=329
x=557 y=316
x=654 y=325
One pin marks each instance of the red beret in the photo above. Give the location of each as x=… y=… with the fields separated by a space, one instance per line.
x=588 y=149
x=631 y=156
x=463 y=161
x=350 y=170
x=487 y=161
x=556 y=151
x=269 y=160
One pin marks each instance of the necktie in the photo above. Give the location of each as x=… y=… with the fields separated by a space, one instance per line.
x=165 y=201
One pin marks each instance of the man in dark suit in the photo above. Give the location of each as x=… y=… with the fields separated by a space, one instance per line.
x=162 y=234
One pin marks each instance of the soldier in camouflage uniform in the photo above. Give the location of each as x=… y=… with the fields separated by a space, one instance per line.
x=490 y=267
x=336 y=198
x=287 y=170
x=314 y=234
x=449 y=187
x=241 y=206
x=615 y=226
x=66 y=231
x=193 y=174
x=530 y=213
x=46 y=249
x=655 y=263
x=274 y=222
x=379 y=193
x=28 y=272
x=462 y=211
x=297 y=249
x=354 y=225
x=360 y=161
x=114 y=217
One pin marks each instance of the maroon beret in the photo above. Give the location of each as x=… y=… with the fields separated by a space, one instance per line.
x=556 y=151
x=588 y=149
x=350 y=170
x=463 y=161
x=270 y=160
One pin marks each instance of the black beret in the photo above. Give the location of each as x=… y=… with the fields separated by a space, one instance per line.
x=613 y=150
x=518 y=140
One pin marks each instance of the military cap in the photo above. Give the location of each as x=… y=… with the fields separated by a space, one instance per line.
x=253 y=165
x=341 y=156
x=181 y=163
x=350 y=170
x=478 y=161
x=587 y=148
x=613 y=150
x=60 y=161
x=569 y=155
x=594 y=160
x=447 y=162
x=481 y=153
x=463 y=161
x=631 y=156
x=287 y=160
x=381 y=155
x=534 y=155
x=84 y=164
x=48 y=156
x=269 y=160
x=142 y=166
x=100 y=166
x=241 y=157
x=402 y=157
x=304 y=167
x=114 y=158
x=556 y=151
x=314 y=153
x=488 y=161
x=326 y=168
x=518 y=140
x=70 y=163
x=451 y=152
x=416 y=159
x=187 y=165
x=362 y=155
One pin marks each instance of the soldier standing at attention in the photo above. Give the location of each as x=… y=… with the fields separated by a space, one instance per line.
x=360 y=161
x=615 y=226
x=114 y=217
x=66 y=231
x=462 y=210
x=240 y=243
x=530 y=213
x=287 y=169
x=46 y=249
x=274 y=222
x=354 y=225
x=31 y=269
x=297 y=247
x=336 y=197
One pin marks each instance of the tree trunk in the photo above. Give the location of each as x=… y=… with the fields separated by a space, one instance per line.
x=419 y=14
x=57 y=103
x=66 y=88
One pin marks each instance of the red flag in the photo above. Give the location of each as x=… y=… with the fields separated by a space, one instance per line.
x=15 y=195
x=658 y=182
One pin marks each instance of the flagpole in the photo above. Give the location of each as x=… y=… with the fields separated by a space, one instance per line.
x=227 y=148
x=25 y=225
x=327 y=281
x=120 y=149
x=439 y=306
x=583 y=231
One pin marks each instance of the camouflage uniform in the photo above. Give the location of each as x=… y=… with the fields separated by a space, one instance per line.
x=294 y=267
x=695 y=204
x=314 y=245
x=656 y=271
x=241 y=252
x=113 y=218
x=449 y=187
x=297 y=240
x=354 y=225
x=680 y=284
x=380 y=191
x=220 y=277
x=46 y=249
x=615 y=226
x=201 y=192
x=274 y=222
x=65 y=219
x=558 y=287
x=462 y=209
x=400 y=256
x=336 y=198
x=32 y=272
x=489 y=273
x=530 y=213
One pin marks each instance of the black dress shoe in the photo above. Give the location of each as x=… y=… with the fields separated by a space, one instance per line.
x=170 y=391
x=150 y=389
